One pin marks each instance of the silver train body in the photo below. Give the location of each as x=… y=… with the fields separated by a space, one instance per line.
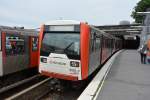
x=18 y=49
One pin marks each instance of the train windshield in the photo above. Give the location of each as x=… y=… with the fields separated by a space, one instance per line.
x=61 y=43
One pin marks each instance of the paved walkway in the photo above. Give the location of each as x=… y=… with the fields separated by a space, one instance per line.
x=128 y=79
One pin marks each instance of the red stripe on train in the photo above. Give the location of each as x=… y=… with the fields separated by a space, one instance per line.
x=60 y=76
x=84 y=39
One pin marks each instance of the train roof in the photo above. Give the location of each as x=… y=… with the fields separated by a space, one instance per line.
x=63 y=22
x=19 y=30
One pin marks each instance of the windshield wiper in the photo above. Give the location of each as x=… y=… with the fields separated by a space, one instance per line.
x=68 y=46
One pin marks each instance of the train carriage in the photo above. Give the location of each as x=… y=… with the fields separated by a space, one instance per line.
x=18 y=49
x=73 y=50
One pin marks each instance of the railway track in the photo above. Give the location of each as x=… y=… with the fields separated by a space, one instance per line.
x=33 y=92
x=6 y=88
x=17 y=77
x=66 y=95
x=61 y=92
x=44 y=89
x=12 y=89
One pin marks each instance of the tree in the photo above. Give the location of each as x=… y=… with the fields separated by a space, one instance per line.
x=141 y=6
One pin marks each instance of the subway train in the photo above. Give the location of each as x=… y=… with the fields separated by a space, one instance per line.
x=73 y=50
x=18 y=49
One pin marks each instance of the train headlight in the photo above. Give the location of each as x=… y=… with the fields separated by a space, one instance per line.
x=74 y=64
x=44 y=60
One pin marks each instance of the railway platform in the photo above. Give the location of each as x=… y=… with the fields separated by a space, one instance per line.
x=127 y=79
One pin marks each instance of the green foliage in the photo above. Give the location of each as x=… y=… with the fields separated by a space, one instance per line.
x=141 y=6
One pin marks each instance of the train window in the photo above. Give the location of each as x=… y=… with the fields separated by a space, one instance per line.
x=104 y=42
x=34 y=43
x=97 y=43
x=14 y=45
x=92 y=41
x=107 y=41
x=63 y=42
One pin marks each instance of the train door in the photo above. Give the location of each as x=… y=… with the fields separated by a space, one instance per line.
x=34 y=51
x=13 y=52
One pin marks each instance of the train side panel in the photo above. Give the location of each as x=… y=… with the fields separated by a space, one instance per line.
x=104 y=50
x=15 y=50
x=1 y=66
x=94 y=51
x=14 y=59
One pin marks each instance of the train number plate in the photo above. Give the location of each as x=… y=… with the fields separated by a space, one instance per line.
x=74 y=71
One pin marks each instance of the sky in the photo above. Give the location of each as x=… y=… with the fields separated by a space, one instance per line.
x=33 y=13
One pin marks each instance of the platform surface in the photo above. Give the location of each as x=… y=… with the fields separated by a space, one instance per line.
x=127 y=79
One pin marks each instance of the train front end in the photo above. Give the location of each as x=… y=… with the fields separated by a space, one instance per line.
x=60 y=54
